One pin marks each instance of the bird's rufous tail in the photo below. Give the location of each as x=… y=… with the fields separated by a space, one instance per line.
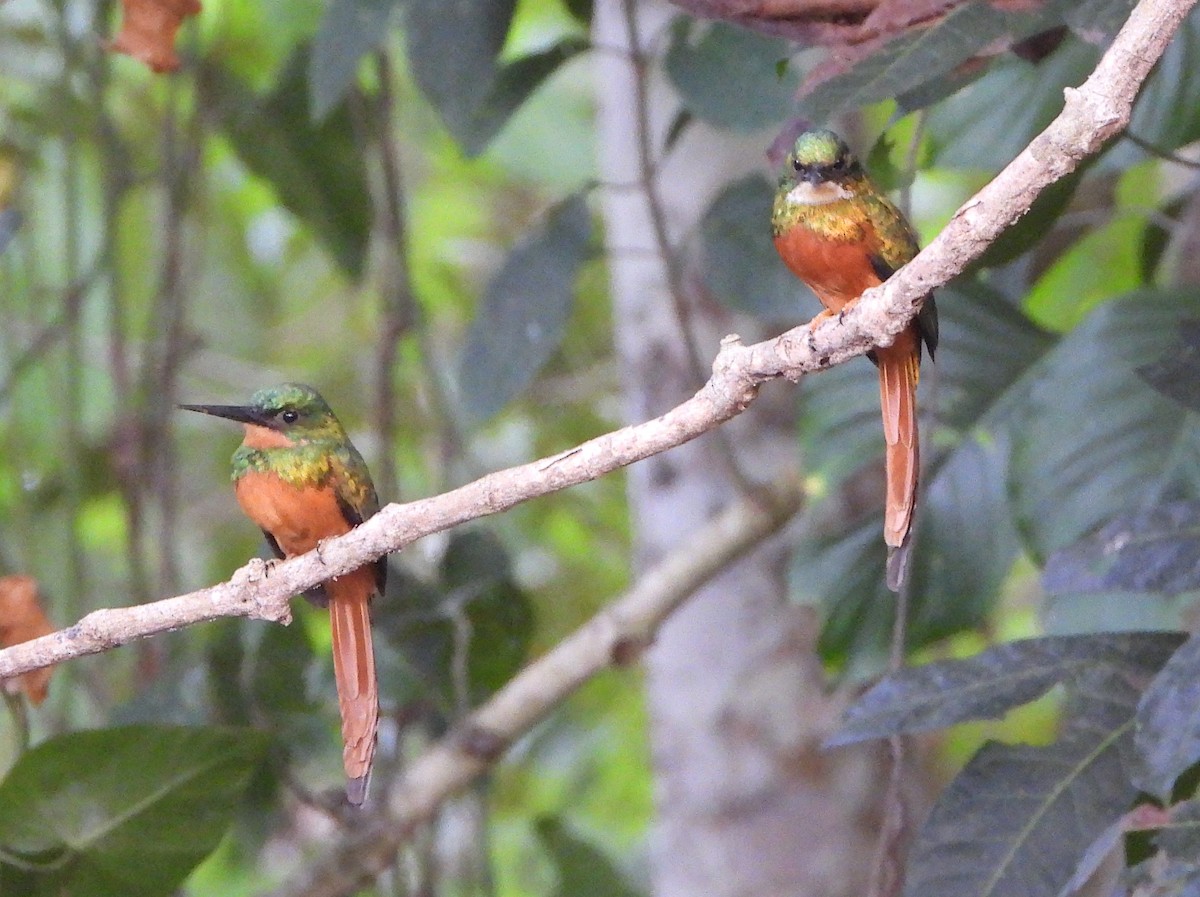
x=354 y=672
x=899 y=370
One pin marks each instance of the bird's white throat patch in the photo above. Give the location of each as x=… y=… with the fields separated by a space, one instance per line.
x=807 y=194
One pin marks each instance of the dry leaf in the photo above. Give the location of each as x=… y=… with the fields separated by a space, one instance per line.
x=148 y=29
x=22 y=619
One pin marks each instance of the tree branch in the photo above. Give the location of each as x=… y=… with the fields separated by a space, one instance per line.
x=615 y=636
x=1093 y=113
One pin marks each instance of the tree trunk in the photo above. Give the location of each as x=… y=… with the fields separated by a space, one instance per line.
x=747 y=804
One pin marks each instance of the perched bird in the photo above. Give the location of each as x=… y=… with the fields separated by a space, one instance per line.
x=297 y=475
x=838 y=233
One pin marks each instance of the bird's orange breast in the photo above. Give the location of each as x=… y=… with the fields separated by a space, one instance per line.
x=838 y=271
x=297 y=518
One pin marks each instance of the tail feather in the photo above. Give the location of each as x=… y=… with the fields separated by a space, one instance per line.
x=354 y=672
x=899 y=370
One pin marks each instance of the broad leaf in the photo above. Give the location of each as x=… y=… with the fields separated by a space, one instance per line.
x=1093 y=440
x=920 y=56
x=583 y=869
x=1168 y=736
x=453 y=49
x=967 y=397
x=474 y=620
x=986 y=124
x=514 y=83
x=996 y=680
x=316 y=170
x=349 y=30
x=523 y=313
x=1155 y=550
x=728 y=75
x=1017 y=819
x=1177 y=373
x=740 y=266
x=83 y=812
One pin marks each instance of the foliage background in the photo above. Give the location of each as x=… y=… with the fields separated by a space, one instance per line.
x=400 y=204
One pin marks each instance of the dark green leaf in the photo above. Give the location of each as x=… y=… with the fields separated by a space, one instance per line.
x=1073 y=613
x=523 y=314
x=1168 y=735
x=475 y=612
x=991 y=683
x=452 y=49
x=281 y=664
x=349 y=30
x=923 y=55
x=1177 y=374
x=963 y=514
x=1094 y=440
x=1154 y=550
x=1017 y=819
x=583 y=869
x=477 y=578
x=580 y=9
x=83 y=812
x=741 y=267
x=1033 y=226
x=728 y=76
x=1167 y=113
x=513 y=85
x=985 y=125
x=316 y=170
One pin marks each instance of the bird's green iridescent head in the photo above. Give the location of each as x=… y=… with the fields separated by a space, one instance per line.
x=820 y=157
x=294 y=410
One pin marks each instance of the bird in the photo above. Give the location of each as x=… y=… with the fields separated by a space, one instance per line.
x=301 y=480
x=840 y=234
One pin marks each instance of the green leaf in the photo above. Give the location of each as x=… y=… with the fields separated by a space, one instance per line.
x=316 y=170
x=349 y=30
x=1167 y=113
x=729 y=76
x=1177 y=373
x=741 y=267
x=524 y=311
x=473 y=620
x=514 y=83
x=125 y=812
x=1093 y=440
x=1168 y=734
x=996 y=680
x=1152 y=550
x=923 y=55
x=987 y=348
x=281 y=666
x=477 y=576
x=1017 y=820
x=986 y=124
x=453 y=49
x=583 y=869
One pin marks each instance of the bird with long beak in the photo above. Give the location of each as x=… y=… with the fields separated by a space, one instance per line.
x=841 y=235
x=298 y=476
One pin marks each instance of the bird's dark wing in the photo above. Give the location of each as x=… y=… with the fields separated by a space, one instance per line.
x=354 y=517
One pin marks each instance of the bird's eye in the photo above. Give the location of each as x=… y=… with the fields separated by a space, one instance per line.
x=840 y=164
x=796 y=164
x=290 y=416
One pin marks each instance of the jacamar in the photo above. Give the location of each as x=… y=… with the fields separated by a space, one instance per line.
x=841 y=235
x=298 y=476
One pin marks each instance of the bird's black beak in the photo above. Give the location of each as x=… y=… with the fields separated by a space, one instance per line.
x=813 y=176
x=245 y=414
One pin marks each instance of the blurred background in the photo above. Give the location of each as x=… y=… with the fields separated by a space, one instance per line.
x=488 y=232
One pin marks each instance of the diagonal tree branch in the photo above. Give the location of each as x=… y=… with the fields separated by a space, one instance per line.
x=615 y=636
x=1093 y=113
